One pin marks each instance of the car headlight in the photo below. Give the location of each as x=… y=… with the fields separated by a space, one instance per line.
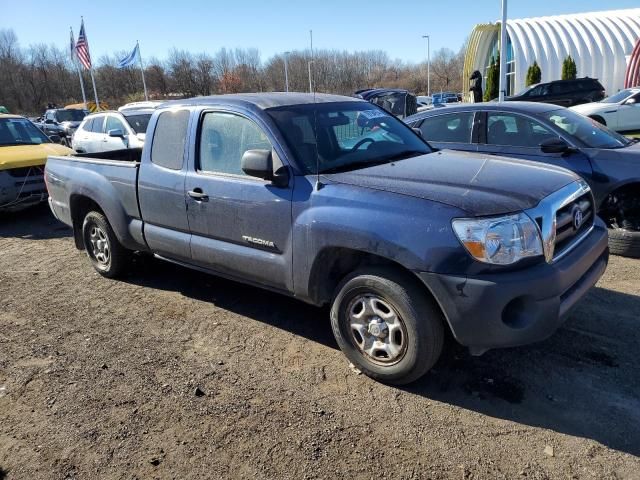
x=499 y=240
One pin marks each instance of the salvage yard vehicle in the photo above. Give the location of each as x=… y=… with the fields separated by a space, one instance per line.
x=397 y=101
x=67 y=119
x=619 y=112
x=565 y=93
x=106 y=131
x=541 y=132
x=300 y=194
x=23 y=153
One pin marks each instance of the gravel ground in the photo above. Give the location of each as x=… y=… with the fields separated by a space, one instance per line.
x=171 y=373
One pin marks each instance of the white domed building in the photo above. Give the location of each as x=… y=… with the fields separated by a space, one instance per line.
x=601 y=44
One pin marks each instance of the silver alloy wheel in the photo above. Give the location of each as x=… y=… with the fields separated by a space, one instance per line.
x=99 y=245
x=377 y=329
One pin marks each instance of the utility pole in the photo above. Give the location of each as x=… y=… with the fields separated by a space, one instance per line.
x=503 y=53
x=286 y=71
x=428 y=64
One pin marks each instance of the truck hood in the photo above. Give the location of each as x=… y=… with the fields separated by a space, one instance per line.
x=18 y=156
x=478 y=184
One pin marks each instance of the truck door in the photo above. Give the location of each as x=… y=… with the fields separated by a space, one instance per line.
x=161 y=186
x=240 y=225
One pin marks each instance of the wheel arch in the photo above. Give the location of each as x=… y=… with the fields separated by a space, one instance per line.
x=79 y=206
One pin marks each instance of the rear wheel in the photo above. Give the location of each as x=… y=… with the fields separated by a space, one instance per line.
x=107 y=255
x=386 y=325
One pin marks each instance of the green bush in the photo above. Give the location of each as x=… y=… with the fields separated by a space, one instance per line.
x=569 y=69
x=534 y=74
x=493 y=80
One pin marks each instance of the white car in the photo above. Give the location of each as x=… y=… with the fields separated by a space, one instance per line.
x=619 y=112
x=105 y=131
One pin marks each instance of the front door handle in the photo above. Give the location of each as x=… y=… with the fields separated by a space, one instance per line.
x=198 y=195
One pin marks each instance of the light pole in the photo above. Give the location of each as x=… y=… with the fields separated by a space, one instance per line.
x=310 y=81
x=503 y=53
x=428 y=65
x=286 y=72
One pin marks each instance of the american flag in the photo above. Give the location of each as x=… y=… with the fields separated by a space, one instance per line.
x=82 y=48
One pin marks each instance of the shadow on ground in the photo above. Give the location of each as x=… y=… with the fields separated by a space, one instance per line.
x=34 y=223
x=583 y=381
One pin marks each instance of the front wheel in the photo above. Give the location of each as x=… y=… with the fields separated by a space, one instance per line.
x=387 y=326
x=107 y=255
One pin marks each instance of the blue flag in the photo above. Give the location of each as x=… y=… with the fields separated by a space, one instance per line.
x=129 y=59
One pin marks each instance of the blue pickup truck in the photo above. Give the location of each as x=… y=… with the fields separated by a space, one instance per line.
x=334 y=201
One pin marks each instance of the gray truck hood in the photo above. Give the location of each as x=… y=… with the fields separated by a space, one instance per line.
x=478 y=184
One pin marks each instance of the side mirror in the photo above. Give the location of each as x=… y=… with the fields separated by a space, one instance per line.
x=631 y=101
x=259 y=163
x=55 y=138
x=116 y=132
x=555 y=145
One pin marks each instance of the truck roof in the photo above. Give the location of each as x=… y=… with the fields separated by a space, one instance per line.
x=263 y=100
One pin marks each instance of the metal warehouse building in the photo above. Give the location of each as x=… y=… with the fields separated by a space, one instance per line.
x=599 y=42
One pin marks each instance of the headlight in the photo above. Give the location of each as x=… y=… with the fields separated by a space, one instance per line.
x=499 y=240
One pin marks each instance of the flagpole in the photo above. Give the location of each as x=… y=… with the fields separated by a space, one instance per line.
x=84 y=95
x=74 y=60
x=95 y=91
x=144 y=83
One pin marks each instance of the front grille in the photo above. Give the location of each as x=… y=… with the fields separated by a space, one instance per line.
x=26 y=171
x=568 y=230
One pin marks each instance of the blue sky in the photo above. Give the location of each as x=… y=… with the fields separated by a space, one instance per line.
x=271 y=26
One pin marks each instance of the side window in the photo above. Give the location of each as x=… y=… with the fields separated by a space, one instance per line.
x=454 y=127
x=224 y=138
x=169 y=137
x=86 y=126
x=515 y=130
x=96 y=126
x=114 y=123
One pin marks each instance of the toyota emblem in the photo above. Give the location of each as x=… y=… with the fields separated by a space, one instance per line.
x=577 y=218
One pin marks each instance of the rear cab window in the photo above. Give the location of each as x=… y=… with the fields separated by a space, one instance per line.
x=169 y=139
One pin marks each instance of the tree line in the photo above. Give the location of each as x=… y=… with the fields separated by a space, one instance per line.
x=36 y=75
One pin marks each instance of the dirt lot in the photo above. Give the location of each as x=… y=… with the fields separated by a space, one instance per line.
x=175 y=374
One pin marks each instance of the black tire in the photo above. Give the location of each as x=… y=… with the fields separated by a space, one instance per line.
x=599 y=119
x=625 y=243
x=420 y=323
x=110 y=258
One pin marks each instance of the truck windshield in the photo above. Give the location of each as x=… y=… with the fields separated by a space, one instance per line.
x=591 y=133
x=70 y=115
x=341 y=136
x=20 y=131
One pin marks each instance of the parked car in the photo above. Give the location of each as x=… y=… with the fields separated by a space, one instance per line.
x=104 y=131
x=553 y=135
x=397 y=101
x=23 y=153
x=52 y=130
x=67 y=119
x=565 y=93
x=424 y=102
x=619 y=112
x=400 y=241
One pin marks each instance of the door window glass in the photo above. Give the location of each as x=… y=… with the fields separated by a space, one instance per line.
x=114 y=123
x=169 y=137
x=515 y=130
x=225 y=138
x=86 y=126
x=454 y=127
x=96 y=126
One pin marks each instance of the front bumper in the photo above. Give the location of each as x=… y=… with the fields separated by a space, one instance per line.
x=22 y=187
x=520 y=307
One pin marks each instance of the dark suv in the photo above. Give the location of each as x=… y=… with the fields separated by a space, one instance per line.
x=565 y=93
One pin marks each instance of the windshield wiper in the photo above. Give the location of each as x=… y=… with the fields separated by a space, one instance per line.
x=373 y=162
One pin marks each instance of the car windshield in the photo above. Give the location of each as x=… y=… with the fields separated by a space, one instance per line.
x=342 y=136
x=70 y=115
x=618 y=97
x=139 y=122
x=20 y=131
x=591 y=133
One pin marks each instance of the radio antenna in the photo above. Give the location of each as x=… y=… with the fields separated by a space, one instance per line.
x=315 y=113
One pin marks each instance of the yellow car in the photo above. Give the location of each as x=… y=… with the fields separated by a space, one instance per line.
x=23 y=154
